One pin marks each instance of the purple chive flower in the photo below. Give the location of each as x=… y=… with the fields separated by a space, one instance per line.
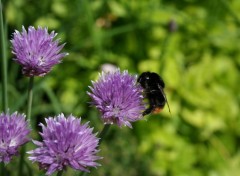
x=36 y=50
x=118 y=97
x=13 y=134
x=65 y=143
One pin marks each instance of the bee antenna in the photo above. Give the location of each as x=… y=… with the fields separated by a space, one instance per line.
x=168 y=105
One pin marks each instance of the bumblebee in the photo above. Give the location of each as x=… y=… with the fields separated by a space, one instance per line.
x=153 y=86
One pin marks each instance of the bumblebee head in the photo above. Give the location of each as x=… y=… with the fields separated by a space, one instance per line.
x=150 y=78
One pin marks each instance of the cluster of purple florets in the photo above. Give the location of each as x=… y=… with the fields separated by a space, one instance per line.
x=118 y=97
x=65 y=140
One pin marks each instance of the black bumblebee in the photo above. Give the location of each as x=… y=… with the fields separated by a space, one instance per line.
x=153 y=86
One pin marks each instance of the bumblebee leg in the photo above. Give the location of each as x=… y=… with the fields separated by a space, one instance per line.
x=148 y=111
x=151 y=106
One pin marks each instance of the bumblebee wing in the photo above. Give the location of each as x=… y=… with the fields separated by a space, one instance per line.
x=165 y=97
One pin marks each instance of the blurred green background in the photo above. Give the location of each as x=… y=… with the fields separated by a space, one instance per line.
x=194 y=45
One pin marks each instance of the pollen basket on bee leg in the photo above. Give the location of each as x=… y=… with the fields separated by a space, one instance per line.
x=157 y=110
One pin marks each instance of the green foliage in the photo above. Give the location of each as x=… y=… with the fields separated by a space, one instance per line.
x=199 y=61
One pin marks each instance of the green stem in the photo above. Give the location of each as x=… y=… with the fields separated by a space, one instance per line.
x=21 y=161
x=29 y=110
x=4 y=61
x=30 y=97
x=3 y=171
x=102 y=135
x=60 y=173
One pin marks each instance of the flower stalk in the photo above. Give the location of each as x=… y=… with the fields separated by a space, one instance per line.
x=30 y=98
x=60 y=173
x=104 y=132
x=21 y=161
x=29 y=110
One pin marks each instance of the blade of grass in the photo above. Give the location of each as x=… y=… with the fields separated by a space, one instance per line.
x=4 y=70
x=4 y=60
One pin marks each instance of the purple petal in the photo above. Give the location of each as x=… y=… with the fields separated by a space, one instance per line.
x=118 y=97
x=66 y=142
x=36 y=51
x=13 y=134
